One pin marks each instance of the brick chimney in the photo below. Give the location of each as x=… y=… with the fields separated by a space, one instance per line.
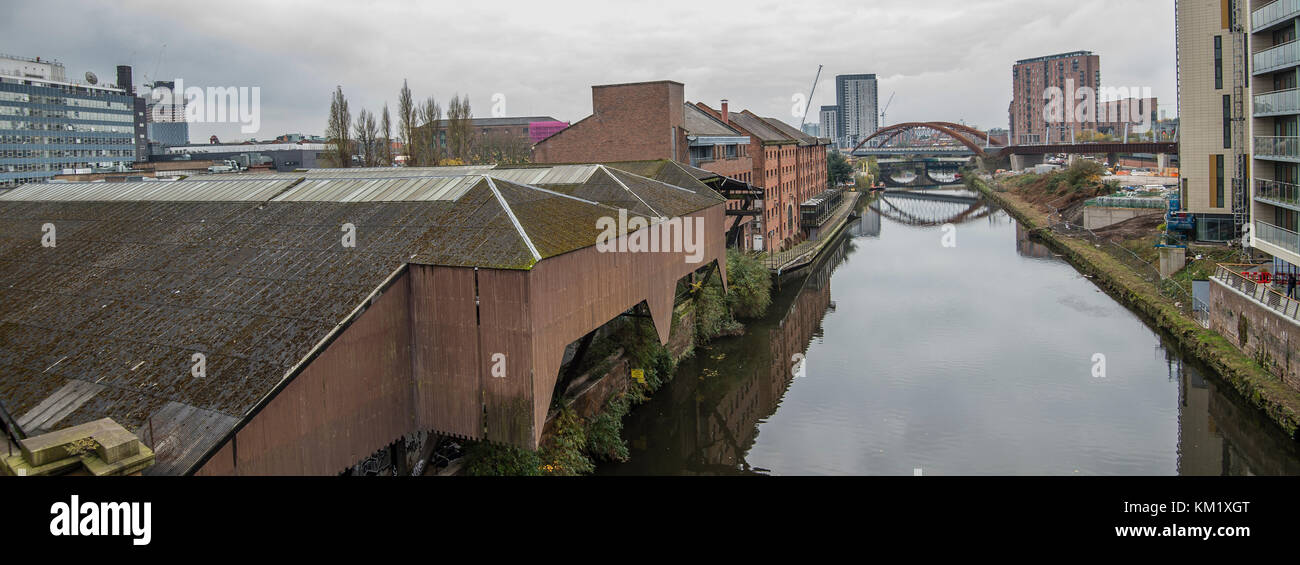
x=726 y=118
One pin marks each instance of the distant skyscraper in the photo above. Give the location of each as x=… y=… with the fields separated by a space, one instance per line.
x=830 y=124
x=858 y=108
x=166 y=121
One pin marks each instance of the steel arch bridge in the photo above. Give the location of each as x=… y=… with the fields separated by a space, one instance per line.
x=967 y=136
x=919 y=208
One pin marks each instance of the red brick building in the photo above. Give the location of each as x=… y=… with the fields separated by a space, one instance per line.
x=629 y=122
x=651 y=120
x=790 y=167
x=1030 y=79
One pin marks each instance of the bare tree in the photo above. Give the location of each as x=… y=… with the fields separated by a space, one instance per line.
x=430 y=115
x=501 y=148
x=385 y=155
x=406 y=123
x=367 y=137
x=336 y=131
x=459 y=128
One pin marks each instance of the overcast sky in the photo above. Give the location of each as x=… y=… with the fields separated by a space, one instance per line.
x=946 y=59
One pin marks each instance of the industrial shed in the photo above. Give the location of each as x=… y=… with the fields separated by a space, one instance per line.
x=318 y=354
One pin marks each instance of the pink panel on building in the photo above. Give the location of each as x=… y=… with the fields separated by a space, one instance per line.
x=538 y=131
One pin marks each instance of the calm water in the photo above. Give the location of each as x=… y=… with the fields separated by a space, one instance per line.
x=971 y=359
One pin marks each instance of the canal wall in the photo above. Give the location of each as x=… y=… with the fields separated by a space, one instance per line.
x=1260 y=332
x=1255 y=384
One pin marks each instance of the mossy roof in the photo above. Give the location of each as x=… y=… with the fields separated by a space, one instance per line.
x=133 y=288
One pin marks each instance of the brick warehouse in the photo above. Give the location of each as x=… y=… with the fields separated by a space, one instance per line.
x=652 y=120
x=318 y=354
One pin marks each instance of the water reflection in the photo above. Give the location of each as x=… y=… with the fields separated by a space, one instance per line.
x=967 y=361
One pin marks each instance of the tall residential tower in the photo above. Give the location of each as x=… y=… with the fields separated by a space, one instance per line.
x=858 y=114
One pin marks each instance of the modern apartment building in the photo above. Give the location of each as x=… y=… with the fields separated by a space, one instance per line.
x=1031 y=79
x=48 y=123
x=1275 y=104
x=1211 y=90
x=830 y=123
x=858 y=108
x=165 y=115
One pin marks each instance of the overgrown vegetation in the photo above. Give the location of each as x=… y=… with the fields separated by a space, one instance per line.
x=563 y=452
x=576 y=443
x=485 y=459
x=1060 y=189
x=716 y=314
x=605 y=431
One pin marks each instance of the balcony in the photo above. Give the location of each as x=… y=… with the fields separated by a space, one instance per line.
x=1273 y=14
x=1279 y=103
x=1278 y=193
x=1278 y=236
x=1279 y=148
x=1277 y=58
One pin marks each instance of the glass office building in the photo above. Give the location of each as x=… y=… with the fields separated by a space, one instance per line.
x=48 y=124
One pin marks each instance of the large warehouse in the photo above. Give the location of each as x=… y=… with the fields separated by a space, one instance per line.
x=228 y=323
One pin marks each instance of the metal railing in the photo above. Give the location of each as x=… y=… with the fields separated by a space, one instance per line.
x=1201 y=312
x=1277 y=191
x=1277 y=57
x=1270 y=146
x=1278 y=102
x=1274 y=13
x=1257 y=289
x=1277 y=235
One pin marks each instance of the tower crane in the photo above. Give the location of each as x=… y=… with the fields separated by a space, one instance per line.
x=810 y=97
x=886 y=108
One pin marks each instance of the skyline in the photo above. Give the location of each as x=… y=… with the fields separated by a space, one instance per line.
x=906 y=46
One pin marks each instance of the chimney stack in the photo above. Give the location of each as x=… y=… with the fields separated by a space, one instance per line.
x=726 y=118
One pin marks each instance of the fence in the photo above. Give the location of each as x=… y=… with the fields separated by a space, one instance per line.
x=1257 y=287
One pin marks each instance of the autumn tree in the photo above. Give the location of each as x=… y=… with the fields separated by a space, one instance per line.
x=337 y=130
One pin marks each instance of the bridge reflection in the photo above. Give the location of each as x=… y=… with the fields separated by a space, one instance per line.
x=930 y=207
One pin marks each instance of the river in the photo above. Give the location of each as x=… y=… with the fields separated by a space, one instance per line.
x=911 y=348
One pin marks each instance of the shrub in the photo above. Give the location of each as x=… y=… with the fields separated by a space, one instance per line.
x=485 y=459
x=605 y=432
x=562 y=453
x=750 y=285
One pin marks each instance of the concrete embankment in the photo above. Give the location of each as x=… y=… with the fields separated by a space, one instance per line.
x=1263 y=390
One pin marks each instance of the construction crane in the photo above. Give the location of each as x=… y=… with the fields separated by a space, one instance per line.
x=810 y=97
x=886 y=108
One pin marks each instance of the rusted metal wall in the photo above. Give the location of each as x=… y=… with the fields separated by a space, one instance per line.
x=353 y=398
x=422 y=356
x=579 y=291
x=445 y=350
x=505 y=336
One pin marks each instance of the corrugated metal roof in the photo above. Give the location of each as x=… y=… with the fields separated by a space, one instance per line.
x=250 y=272
x=390 y=189
x=201 y=189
